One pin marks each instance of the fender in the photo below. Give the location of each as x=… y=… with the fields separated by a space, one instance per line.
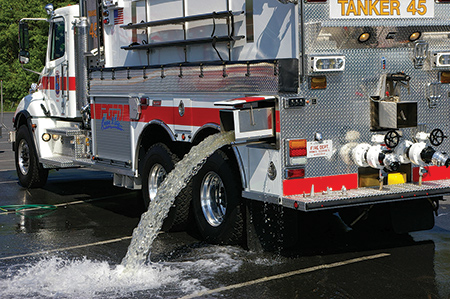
x=23 y=117
x=164 y=127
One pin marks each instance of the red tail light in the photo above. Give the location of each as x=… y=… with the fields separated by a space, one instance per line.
x=297 y=148
x=295 y=173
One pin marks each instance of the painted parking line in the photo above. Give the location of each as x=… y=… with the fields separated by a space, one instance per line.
x=8 y=182
x=66 y=248
x=286 y=275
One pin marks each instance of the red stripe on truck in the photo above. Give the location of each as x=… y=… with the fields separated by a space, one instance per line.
x=303 y=185
x=48 y=83
x=434 y=173
x=169 y=115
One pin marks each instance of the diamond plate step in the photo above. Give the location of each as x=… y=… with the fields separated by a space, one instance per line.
x=368 y=195
x=64 y=162
x=65 y=131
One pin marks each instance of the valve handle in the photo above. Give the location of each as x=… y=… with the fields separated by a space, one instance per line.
x=400 y=76
x=392 y=139
x=437 y=137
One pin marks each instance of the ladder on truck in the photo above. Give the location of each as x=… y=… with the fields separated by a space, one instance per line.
x=228 y=15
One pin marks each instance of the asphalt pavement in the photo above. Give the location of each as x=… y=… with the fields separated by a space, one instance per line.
x=74 y=250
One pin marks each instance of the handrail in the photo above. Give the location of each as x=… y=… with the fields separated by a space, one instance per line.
x=216 y=39
x=181 y=20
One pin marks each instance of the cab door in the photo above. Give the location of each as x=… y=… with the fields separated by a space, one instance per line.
x=54 y=79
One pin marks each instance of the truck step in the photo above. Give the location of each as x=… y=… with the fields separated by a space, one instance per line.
x=58 y=161
x=65 y=131
x=367 y=195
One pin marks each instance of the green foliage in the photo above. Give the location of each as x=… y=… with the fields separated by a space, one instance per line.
x=16 y=81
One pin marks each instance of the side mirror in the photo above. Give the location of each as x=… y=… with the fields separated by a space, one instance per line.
x=24 y=44
x=49 y=9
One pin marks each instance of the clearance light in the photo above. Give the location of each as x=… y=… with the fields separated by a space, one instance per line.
x=442 y=59
x=295 y=173
x=444 y=77
x=415 y=36
x=106 y=17
x=364 y=37
x=55 y=137
x=46 y=137
x=318 y=82
x=328 y=63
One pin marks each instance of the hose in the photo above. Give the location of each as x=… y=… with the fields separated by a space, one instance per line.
x=19 y=208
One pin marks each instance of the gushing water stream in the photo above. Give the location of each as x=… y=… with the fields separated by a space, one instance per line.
x=176 y=180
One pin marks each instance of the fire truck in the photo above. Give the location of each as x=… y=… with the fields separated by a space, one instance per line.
x=336 y=105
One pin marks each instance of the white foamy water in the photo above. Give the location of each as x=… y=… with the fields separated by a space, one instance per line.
x=176 y=180
x=57 y=277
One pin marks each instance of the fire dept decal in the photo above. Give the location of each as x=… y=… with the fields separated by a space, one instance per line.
x=111 y=118
x=320 y=149
x=350 y=9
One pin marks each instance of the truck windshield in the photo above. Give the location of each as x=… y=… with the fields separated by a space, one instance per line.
x=58 y=40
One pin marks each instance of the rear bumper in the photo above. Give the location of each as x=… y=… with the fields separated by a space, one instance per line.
x=356 y=197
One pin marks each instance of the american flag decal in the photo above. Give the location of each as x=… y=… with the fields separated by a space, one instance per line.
x=118 y=16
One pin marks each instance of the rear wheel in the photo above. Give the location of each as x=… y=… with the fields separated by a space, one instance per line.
x=158 y=162
x=217 y=203
x=30 y=172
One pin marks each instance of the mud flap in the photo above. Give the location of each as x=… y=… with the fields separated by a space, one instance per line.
x=410 y=216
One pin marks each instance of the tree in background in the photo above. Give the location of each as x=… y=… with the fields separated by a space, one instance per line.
x=16 y=81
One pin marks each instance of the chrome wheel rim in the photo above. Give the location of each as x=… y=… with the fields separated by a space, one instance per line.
x=23 y=157
x=155 y=178
x=213 y=199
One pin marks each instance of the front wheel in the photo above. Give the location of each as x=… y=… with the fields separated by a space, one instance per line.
x=216 y=201
x=30 y=172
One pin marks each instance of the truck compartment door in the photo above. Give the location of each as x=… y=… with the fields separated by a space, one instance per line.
x=111 y=129
x=252 y=118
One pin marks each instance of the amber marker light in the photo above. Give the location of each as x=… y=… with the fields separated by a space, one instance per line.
x=46 y=137
x=444 y=77
x=415 y=36
x=364 y=37
x=318 y=82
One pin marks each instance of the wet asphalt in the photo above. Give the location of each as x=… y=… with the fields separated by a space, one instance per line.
x=93 y=221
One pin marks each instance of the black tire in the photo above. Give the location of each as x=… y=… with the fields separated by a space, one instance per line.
x=160 y=156
x=30 y=172
x=222 y=223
